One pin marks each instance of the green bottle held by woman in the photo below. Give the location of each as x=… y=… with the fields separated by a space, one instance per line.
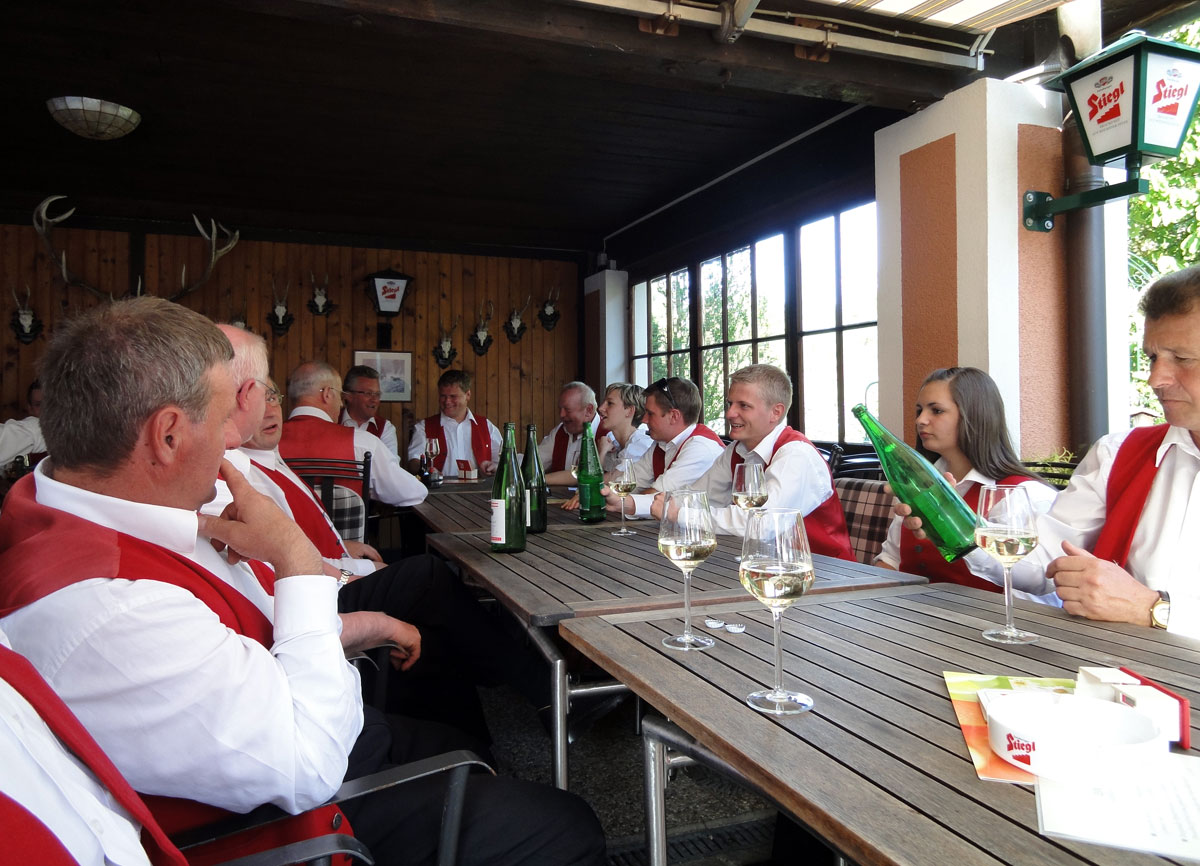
x=508 y=498
x=591 y=478
x=536 y=490
x=947 y=520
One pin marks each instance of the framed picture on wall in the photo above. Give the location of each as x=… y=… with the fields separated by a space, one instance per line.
x=395 y=373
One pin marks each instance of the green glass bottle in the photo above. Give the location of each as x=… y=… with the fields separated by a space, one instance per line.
x=590 y=478
x=508 y=498
x=947 y=520
x=537 y=493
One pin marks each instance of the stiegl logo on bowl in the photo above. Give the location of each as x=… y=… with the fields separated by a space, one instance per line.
x=1023 y=748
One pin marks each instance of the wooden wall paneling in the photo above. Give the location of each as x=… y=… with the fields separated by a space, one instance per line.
x=489 y=266
x=300 y=264
x=529 y=358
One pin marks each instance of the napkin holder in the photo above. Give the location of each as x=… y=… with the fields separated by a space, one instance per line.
x=1171 y=712
x=466 y=471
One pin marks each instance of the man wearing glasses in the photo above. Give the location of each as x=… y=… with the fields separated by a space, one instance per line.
x=360 y=408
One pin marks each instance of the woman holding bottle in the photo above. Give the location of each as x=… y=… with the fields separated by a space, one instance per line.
x=960 y=422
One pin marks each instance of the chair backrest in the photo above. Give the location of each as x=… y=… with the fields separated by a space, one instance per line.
x=349 y=511
x=1055 y=473
x=868 y=513
x=858 y=466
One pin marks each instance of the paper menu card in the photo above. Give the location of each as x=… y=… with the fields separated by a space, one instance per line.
x=964 y=696
x=1151 y=806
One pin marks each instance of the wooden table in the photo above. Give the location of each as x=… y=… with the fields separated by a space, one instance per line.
x=879 y=768
x=465 y=510
x=568 y=574
x=455 y=485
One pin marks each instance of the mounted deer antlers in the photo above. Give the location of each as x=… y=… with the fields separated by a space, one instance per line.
x=25 y=323
x=444 y=352
x=549 y=313
x=480 y=339
x=44 y=225
x=279 y=318
x=214 y=255
x=319 y=304
x=513 y=326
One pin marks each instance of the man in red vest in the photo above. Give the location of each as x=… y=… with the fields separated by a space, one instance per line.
x=684 y=448
x=1118 y=544
x=311 y=430
x=361 y=394
x=210 y=679
x=796 y=474
x=461 y=434
x=559 y=449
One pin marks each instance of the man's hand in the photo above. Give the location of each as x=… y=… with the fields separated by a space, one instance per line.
x=365 y=629
x=253 y=527
x=1099 y=589
x=656 y=507
x=359 y=550
x=571 y=504
x=614 y=502
x=488 y=467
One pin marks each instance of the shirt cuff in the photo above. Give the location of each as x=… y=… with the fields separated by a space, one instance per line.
x=642 y=503
x=304 y=604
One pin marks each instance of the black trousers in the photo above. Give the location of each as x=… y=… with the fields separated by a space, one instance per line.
x=461 y=644
x=506 y=822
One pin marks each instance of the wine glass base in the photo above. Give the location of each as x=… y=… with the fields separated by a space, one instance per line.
x=684 y=642
x=779 y=703
x=1006 y=634
x=624 y=532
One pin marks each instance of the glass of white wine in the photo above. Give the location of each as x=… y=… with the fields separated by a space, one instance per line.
x=1006 y=527
x=777 y=569
x=686 y=537
x=623 y=485
x=749 y=486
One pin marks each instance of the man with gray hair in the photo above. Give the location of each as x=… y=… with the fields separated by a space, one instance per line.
x=315 y=389
x=559 y=449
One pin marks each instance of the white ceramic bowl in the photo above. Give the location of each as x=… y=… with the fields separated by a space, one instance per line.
x=1060 y=736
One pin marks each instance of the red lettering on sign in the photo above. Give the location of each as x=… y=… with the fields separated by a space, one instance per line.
x=1106 y=102
x=1170 y=94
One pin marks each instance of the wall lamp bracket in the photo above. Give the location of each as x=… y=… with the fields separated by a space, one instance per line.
x=1039 y=208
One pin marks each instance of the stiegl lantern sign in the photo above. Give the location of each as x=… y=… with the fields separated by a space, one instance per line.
x=1133 y=101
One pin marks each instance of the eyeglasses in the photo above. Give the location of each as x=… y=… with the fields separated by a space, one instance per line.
x=663 y=386
x=273 y=396
x=374 y=395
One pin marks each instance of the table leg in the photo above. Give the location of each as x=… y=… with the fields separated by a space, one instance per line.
x=655 y=782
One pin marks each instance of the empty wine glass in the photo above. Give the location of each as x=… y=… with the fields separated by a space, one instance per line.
x=1006 y=527
x=686 y=537
x=624 y=484
x=777 y=569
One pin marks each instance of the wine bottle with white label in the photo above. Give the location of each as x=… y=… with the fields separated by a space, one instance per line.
x=508 y=498
x=536 y=491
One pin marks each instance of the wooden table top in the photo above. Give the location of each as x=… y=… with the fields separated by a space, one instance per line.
x=879 y=767
x=463 y=509
x=455 y=485
x=589 y=573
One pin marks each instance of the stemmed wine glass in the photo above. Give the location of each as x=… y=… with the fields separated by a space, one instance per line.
x=432 y=449
x=777 y=569
x=623 y=485
x=1006 y=527
x=749 y=488
x=686 y=537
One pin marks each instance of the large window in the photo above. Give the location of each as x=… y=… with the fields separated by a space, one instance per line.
x=739 y=314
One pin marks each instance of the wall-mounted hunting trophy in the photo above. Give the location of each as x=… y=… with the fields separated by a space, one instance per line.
x=238 y=320
x=480 y=339
x=279 y=318
x=513 y=326
x=25 y=323
x=444 y=352
x=319 y=304
x=214 y=255
x=549 y=314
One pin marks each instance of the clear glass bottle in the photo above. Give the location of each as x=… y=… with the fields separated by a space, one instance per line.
x=508 y=498
x=590 y=478
x=537 y=492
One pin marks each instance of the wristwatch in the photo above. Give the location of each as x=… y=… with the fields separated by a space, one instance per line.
x=1160 y=611
x=346 y=576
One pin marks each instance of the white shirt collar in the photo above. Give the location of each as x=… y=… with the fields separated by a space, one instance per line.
x=1176 y=436
x=766 y=447
x=309 y=411
x=269 y=459
x=678 y=440
x=470 y=417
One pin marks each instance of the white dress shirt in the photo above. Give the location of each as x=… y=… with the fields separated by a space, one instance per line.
x=639 y=443
x=182 y=705
x=1161 y=555
x=44 y=776
x=387 y=436
x=390 y=483
x=458 y=442
x=696 y=455
x=797 y=477
x=20 y=436
x=1041 y=496
x=546 y=449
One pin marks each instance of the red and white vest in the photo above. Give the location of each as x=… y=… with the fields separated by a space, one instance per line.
x=659 y=460
x=481 y=440
x=318 y=438
x=1129 y=481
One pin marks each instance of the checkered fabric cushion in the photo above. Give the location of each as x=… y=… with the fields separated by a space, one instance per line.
x=868 y=512
x=349 y=512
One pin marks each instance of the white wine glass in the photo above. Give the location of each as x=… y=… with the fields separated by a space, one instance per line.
x=1006 y=527
x=777 y=569
x=624 y=484
x=432 y=448
x=686 y=537
x=749 y=488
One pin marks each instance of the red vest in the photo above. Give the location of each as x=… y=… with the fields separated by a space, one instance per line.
x=659 y=459
x=308 y=513
x=1129 y=481
x=307 y=436
x=481 y=440
x=825 y=525
x=26 y=839
x=43 y=550
x=922 y=557
x=375 y=423
x=558 y=460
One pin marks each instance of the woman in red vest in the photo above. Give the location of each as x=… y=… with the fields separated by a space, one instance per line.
x=960 y=425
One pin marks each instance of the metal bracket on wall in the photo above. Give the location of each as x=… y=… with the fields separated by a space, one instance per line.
x=1039 y=208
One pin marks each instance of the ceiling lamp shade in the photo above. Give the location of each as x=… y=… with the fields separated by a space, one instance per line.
x=97 y=119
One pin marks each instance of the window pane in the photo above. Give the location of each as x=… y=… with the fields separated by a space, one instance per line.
x=658 y=314
x=712 y=326
x=820 y=387
x=658 y=367
x=768 y=285
x=638 y=303
x=714 y=389
x=737 y=313
x=681 y=318
x=740 y=356
x=860 y=357
x=817 y=275
x=641 y=372
x=859 y=280
x=772 y=352
x=681 y=365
